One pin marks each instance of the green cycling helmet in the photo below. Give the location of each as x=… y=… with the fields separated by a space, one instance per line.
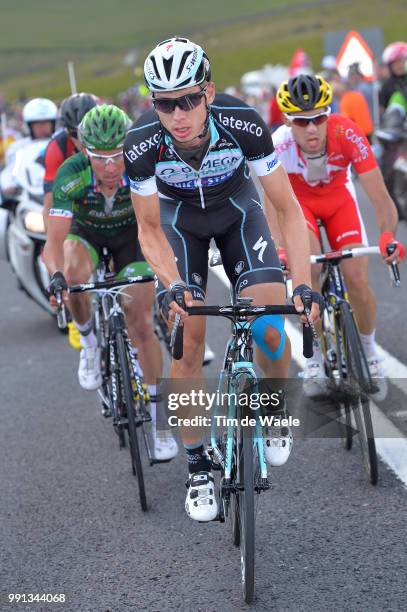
x=104 y=127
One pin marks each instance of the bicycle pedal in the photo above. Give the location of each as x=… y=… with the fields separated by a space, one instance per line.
x=106 y=413
x=264 y=485
x=122 y=422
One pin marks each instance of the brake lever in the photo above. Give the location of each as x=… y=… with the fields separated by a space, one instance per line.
x=393 y=268
x=174 y=330
x=61 y=311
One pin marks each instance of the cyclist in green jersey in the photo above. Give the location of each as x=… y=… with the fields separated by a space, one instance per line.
x=91 y=210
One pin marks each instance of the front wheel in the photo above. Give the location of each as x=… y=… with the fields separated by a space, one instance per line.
x=360 y=383
x=245 y=510
x=124 y=363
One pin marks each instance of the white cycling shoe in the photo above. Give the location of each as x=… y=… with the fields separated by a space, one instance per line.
x=314 y=381
x=278 y=442
x=90 y=377
x=209 y=355
x=200 y=503
x=165 y=447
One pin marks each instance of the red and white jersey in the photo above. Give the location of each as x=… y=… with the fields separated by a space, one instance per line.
x=346 y=145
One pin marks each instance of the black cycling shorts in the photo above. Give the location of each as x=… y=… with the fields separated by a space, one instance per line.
x=240 y=231
x=124 y=248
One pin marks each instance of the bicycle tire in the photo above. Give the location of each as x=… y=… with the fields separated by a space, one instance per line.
x=347 y=433
x=102 y=332
x=358 y=371
x=131 y=428
x=344 y=407
x=245 y=495
x=234 y=512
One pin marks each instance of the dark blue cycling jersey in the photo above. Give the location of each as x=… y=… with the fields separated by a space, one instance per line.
x=237 y=135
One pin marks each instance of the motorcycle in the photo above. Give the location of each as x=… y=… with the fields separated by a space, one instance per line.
x=22 y=229
x=392 y=139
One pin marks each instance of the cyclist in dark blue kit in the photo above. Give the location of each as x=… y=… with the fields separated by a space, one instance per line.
x=187 y=161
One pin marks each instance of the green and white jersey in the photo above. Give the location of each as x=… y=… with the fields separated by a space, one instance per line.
x=77 y=195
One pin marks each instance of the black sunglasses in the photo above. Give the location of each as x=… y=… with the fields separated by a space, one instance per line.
x=185 y=103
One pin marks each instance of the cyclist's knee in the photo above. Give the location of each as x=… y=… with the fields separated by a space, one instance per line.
x=269 y=335
x=75 y=273
x=194 y=347
x=357 y=283
x=140 y=322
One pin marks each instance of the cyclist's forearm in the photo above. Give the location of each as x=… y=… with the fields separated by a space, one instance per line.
x=159 y=254
x=385 y=209
x=295 y=235
x=272 y=220
x=47 y=207
x=386 y=215
x=53 y=258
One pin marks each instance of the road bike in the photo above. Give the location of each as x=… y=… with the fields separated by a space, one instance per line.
x=238 y=453
x=123 y=392
x=349 y=380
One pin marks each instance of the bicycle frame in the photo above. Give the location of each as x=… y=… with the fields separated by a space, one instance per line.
x=238 y=346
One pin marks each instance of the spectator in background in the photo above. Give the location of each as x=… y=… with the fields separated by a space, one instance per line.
x=328 y=66
x=275 y=116
x=395 y=57
x=352 y=104
x=357 y=82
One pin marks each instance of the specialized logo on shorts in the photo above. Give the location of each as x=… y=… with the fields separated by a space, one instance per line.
x=239 y=124
x=197 y=278
x=239 y=267
x=142 y=147
x=260 y=246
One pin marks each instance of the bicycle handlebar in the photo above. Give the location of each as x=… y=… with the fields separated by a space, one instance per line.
x=345 y=254
x=360 y=252
x=236 y=311
x=124 y=282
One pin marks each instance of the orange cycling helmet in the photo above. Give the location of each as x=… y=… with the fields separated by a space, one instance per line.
x=303 y=93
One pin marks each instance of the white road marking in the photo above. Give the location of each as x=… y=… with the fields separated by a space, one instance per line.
x=393 y=448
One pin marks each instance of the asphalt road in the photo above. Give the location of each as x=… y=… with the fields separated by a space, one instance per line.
x=70 y=521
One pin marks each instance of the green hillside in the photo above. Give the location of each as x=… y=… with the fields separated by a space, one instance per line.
x=39 y=37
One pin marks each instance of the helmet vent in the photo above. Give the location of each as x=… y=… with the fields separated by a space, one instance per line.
x=167 y=63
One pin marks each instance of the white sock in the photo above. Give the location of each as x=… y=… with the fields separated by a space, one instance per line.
x=368 y=342
x=88 y=338
x=152 y=390
x=317 y=351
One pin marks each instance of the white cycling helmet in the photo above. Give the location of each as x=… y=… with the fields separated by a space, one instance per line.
x=174 y=64
x=40 y=109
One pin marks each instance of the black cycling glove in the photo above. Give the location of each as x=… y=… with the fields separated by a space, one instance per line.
x=308 y=297
x=58 y=283
x=174 y=294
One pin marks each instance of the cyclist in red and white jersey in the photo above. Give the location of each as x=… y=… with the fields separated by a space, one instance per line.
x=65 y=142
x=317 y=150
